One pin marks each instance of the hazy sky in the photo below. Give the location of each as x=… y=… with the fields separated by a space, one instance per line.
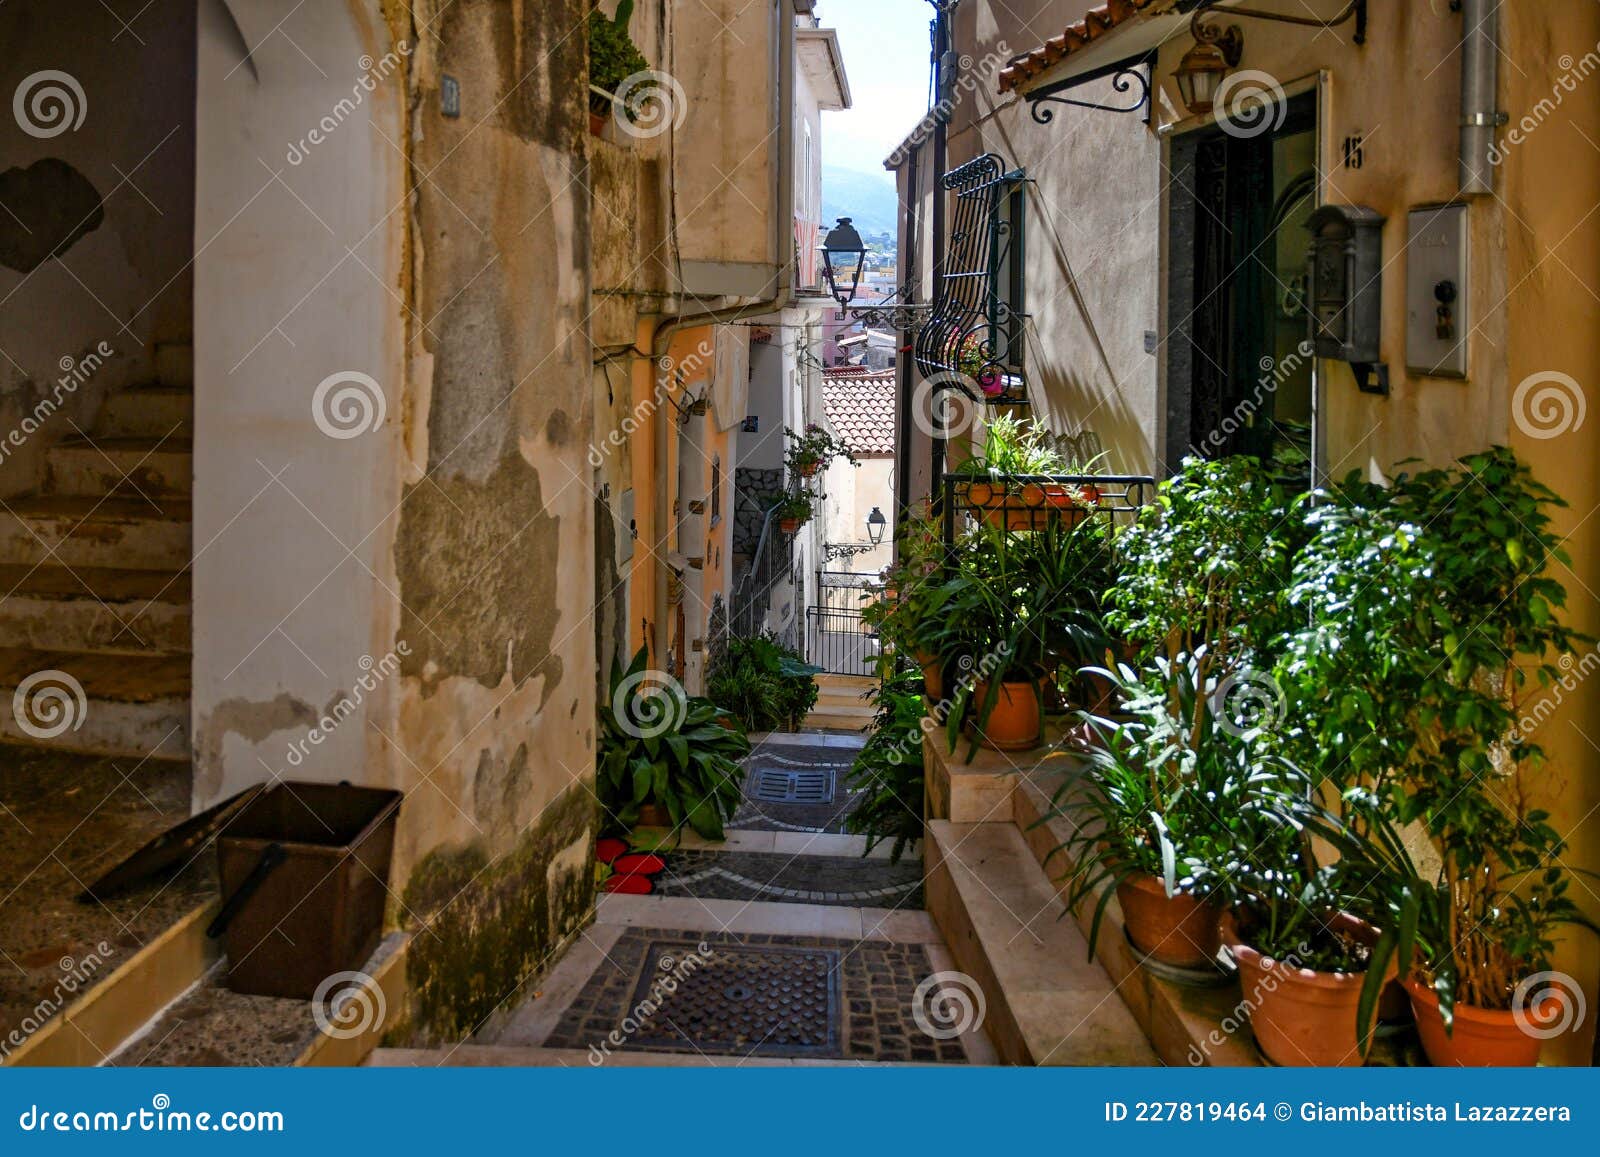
x=885 y=45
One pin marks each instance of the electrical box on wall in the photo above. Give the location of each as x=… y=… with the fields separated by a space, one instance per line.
x=1437 y=319
x=1346 y=314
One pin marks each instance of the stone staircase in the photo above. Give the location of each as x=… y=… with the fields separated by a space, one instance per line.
x=841 y=705
x=95 y=568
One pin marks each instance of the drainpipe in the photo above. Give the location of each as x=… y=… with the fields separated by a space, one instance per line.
x=1480 y=47
x=783 y=240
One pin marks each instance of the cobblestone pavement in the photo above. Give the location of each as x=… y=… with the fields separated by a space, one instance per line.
x=754 y=995
x=846 y=881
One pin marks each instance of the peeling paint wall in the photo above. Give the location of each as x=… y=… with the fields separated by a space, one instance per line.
x=97 y=227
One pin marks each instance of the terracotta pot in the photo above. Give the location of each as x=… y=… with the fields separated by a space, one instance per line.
x=1013 y=725
x=932 y=675
x=1178 y=930
x=809 y=469
x=597 y=123
x=1301 y=1017
x=998 y=515
x=653 y=815
x=1480 y=1037
x=789 y=525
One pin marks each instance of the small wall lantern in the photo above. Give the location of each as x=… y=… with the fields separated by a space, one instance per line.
x=843 y=255
x=1346 y=291
x=1199 y=74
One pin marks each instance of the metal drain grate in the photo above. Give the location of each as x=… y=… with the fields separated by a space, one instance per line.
x=781 y=1002
x=782 y=785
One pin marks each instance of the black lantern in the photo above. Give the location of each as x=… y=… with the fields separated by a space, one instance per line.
x=876 y=524
x=843 y=255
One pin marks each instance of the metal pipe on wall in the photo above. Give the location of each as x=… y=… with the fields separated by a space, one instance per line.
x=1480 y=113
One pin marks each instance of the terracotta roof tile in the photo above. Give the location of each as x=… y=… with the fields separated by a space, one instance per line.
x=860 y=408
x=1095 y=23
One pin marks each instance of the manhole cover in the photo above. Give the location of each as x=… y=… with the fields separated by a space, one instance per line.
x=782 y=785
x=770 y=1001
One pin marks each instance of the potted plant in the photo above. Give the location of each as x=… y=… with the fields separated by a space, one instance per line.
x=974 y=362
x=1011 y=449
x=662 y=749
x=613 y=57
x=1204 y=568
x=910 y=617
x=1431 y=630
x=793 y=510
x=811 y=451
x=888 y=771
x=763 y=684
x=1159 y=789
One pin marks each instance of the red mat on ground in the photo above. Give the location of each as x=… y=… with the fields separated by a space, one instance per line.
x=629 y=885
x=638 y=864
x=608 y=848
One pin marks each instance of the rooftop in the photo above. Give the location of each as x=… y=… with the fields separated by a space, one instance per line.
x=860 y=407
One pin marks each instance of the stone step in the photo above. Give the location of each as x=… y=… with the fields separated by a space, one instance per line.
x=210 y=1025
x=1047 y=1003
x=131 y=705
x=147 y=412
x=117 y=1007
x=124 y=466
x=76 y=531
x=854 y=684
x=95 y=609
x=837 y=718
x=175 y=365
x=1181 y=1022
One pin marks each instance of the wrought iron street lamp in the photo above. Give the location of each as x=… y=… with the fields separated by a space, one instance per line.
x=876 y=524
x=843 y=256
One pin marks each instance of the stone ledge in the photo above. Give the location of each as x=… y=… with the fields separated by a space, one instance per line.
x=1184 y=1025
x=979 y=791
x=1046 y=1002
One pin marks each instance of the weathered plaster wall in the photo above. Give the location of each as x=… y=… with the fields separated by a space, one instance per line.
x=447 y=259
x=299 y=276
x=98 y=220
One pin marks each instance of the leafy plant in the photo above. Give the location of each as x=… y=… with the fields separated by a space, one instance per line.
x=1164 y=791
x=798 y=505
x=888 y=771
x=613 y=56
x=1205 y=567
x=909 y=618
x=814 y=449
x=1018 y=606
x=1430 y=624
x=658 y=745
x=1013 y=446
x=763 y=684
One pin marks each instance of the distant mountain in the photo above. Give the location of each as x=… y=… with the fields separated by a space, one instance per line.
x=869 y=199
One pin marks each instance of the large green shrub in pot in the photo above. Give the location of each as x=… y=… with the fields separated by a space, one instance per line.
x=662 y=746
x=1015 y=607
x=1206 y=564
x=1430 y=627
x=763 y=684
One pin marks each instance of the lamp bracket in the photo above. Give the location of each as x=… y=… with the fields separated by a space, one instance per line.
x=1125 y=77
x=1206 y=27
